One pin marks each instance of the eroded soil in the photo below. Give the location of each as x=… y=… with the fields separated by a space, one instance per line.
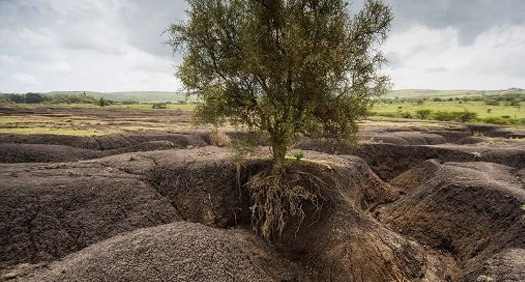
x=439 y=202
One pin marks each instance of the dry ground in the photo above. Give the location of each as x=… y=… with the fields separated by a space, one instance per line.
x=414 y=202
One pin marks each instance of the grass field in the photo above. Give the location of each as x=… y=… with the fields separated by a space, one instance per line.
x=483 y=110
x=424 y=93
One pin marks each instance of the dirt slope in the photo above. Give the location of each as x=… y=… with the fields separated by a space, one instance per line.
x=437 y=222
x=472 y=211
x=48 y=211
x=174 y=252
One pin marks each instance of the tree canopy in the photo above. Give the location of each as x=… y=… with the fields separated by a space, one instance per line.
x=285 y=67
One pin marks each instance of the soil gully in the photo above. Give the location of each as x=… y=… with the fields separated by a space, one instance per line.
x=458 y=218
x=342 y=243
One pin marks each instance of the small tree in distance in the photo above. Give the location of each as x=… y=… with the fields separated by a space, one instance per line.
x=285 y=67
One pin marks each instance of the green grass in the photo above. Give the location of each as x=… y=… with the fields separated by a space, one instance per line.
x=452 y=106
x=425 y=93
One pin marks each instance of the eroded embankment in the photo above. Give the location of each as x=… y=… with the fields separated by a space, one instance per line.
x=417 y=228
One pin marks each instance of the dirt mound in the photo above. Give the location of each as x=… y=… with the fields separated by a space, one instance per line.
x=146 y=146
x=495 y=131
x=389 y=160
x=36 y=153
x=48 y=211
x=107 y=142
x=470 y=140
x=507 y=266
x=470 y=210
x=44 y=153
x=175 y=252
x=407 y=138
x=51 y=139
x=452 y=135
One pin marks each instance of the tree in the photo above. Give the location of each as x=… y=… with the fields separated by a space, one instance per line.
x=34 y=98
x=284 y=67
x=102 y=102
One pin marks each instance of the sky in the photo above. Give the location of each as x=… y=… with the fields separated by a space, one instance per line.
x=117 y=45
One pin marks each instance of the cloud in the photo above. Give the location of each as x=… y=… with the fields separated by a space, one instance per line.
x=23 y=79
x=435 y=58
x=469 y=17
x=101 y=45
x=116 y=45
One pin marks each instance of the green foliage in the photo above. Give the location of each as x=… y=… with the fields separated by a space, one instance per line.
x=491 y=102
x=298 y=155
x=129 y=102
x=283 y=67
x=443 y=116
x=34 y=98
x=465 y=116
x=159 y=106
x=102 y=102
x=423 y=114
x=406 y=115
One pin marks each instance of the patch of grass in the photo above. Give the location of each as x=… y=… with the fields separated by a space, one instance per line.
x=522 y=208
x=484 y=278
x=298 y=155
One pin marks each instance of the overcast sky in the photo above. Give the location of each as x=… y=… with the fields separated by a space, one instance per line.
x=116 y=45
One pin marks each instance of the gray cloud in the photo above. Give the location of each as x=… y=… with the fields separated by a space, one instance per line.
x=113 y=45
x=470 y=17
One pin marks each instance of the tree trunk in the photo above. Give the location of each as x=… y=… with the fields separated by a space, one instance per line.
x=279 y=154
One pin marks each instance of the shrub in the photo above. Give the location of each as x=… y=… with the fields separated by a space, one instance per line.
x=102 y=102
x=492 y=103
x=465 y=116
x=496 y=120
x=406 y=115
x=443 y=116
x=129 y=102
x=423 y=114
x=159 y=106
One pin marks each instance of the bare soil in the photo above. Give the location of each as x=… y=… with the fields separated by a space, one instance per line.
x=411 y=203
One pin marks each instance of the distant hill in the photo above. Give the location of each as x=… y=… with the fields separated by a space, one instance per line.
x=166 y=96
x=423 y=93
x=138 y=96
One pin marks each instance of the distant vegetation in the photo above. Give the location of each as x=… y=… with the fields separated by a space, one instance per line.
x=82 y=98
x=506 y=107
x=498 y=107
x=76 y=97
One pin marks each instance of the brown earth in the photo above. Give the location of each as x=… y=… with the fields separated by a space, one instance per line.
x=178 y=251
x=412 y=203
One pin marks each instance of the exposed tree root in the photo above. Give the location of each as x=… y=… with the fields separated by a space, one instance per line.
x=280 y=200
